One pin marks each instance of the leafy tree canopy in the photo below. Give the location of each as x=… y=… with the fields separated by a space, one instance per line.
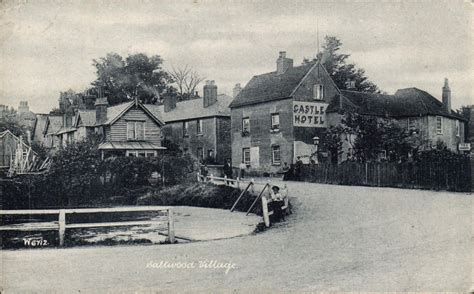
x=121 y=79
x=339 y=69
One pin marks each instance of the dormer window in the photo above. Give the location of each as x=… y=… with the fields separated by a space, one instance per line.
x=318 y=92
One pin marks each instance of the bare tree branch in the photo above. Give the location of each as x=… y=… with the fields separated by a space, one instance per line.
x=186 y=80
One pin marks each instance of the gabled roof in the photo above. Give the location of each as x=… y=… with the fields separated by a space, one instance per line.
x=85 y=118
x=271 y=86
x=53 y=124
x=407 y=102
x=115 y=112
x=192 y=109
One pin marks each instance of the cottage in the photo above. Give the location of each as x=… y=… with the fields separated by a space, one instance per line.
x=281 y=115
x=129 y=129
x=201 y=127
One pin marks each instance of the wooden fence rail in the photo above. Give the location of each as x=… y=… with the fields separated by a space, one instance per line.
x=452 y=175
x=61 y=224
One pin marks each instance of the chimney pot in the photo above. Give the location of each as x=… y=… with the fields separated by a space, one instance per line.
x=237 y=89
x=209 y=94
x=169 y=103
x=283 y=63
x=101 y=105
x=446 y=96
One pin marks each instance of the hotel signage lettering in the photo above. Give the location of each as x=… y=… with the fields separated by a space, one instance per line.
x=309 y=114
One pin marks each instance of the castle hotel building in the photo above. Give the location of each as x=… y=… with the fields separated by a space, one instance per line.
x=278 y=116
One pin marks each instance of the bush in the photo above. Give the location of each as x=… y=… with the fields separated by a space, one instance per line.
x=201 y=195
x=79 y=177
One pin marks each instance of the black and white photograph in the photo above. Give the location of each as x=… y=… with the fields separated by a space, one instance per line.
x=236 y=146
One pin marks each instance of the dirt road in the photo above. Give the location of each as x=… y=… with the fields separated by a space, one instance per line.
x=340 y=238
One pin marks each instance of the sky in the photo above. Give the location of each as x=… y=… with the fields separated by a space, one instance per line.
x=48 y=46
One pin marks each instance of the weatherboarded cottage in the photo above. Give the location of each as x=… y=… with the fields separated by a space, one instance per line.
x=281 y=115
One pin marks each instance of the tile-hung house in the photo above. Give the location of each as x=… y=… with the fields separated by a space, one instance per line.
x=84 y=124
x=53 y=125
x=129 y=129
x=201 y=127
x=279 y=116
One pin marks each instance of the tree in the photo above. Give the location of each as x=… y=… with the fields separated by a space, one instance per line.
x=186 y=80
x=369 y=136
x=339 y=69
x=332 y=142
x=10 y=123
x=122 y=79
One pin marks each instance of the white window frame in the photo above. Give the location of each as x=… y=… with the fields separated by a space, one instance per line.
x=248 y=124
x=275 y=148
x=275 y=122
x=199 y=126
x=412 y=123
x=458 y=129
x=185 y=129
x=134 y=124
x=439 y=131
x=135 y=152
x=200 y=155
x=244 y=150
x=318 y=92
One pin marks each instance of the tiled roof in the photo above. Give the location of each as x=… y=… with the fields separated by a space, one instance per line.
x=87 y=117
x=65 y=130
x=192 y=109
x=404 y=103
x=130 y=145
x=114 y=111
x=54 y=124
x=271 y=86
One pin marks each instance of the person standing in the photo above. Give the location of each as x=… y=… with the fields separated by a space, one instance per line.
x=228 y=170
x=242 y=168
x=298 y=168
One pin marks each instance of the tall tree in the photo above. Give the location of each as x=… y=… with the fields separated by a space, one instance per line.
x=121 y=79
x=186 y=80
x=339 y=69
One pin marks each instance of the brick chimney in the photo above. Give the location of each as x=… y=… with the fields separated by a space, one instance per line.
x=101 y=105
x=236 y=90
x=283 y=63
x=210 y=94
x=169 y=103
x=446 y=96
x=89 y=101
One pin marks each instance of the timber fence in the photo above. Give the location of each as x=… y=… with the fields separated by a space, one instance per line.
x=61 y=225
x=452 y=175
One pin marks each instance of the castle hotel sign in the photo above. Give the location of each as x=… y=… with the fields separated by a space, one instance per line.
x=309 y=114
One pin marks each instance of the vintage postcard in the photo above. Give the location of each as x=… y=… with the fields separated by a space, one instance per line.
x=236 y=146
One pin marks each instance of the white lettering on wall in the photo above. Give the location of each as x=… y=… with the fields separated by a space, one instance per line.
x=309 y=114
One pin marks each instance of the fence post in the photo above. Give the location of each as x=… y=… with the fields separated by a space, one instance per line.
x=62 y=226
x=170 y=226
x=266 y=217
x=211 y=178
x=225 y=180
x=238 y=183
x=199 y=176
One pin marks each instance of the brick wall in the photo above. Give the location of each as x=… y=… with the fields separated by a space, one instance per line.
x=223 y=139
x=207 y=139
x=261 y=135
